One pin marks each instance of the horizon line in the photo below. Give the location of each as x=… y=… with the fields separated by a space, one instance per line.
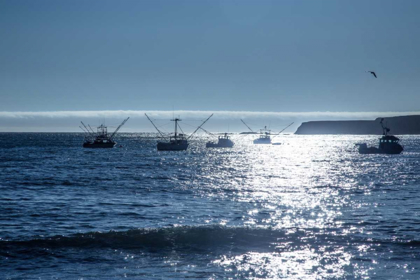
x=197 y=113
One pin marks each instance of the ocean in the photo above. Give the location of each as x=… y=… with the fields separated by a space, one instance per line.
x=311 y=208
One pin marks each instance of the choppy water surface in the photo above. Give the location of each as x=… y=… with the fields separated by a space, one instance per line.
x=311 y=208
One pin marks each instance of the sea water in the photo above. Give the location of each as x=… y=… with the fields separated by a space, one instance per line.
x=311 y=208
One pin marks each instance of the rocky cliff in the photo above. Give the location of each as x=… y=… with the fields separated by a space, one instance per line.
x=398 y=125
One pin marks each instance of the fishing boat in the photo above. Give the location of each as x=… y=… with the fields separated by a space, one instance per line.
x=264 y=136
x=388 y=144
x=223 y=142
x=177 y=141
x=100 y=138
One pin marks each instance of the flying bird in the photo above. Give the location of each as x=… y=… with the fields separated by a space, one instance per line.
x=373 y=73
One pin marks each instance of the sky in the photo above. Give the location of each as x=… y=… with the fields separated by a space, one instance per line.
x=304 y=59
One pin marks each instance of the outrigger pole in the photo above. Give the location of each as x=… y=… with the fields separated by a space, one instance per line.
x=84 y=130
x=91 y=128
x=200 y=126
x=283 y=129
x=118 y=128
x=155 y=126
x=247 y=125
x=87 y=129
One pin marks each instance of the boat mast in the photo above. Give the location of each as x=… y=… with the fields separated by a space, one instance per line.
x=102 y=130
x=176 y=126
x=266 y=131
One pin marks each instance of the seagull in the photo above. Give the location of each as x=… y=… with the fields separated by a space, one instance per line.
x=373 y=73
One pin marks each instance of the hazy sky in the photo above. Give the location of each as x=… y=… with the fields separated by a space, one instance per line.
x=275 y=56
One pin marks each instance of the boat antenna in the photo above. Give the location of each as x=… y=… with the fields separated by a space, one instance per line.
x=200 y=126
x=385 y=129
x=247 y=125
x=118 y=128
x=283 y=129
x=154 y=126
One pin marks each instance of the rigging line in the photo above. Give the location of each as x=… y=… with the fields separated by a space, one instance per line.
x=189 y=124
x=181 y=129
x=119 y=127
x=164 y=126
x=200 y=126
x=157 y=119
x=93 y=135
x=155 y=126
x=83 y=129
x=283 y=130
x=246 y=125
x=208 y=132
x=192 y=120
x=91 y=128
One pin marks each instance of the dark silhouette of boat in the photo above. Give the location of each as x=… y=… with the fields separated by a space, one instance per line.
x=223 y=142
x=177 y=142
x=100 y=139
x=388 y=144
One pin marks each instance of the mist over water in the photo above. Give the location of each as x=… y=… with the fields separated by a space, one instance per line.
x=311 y=208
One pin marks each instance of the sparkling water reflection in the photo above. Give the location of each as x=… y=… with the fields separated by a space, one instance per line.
x=311 y=208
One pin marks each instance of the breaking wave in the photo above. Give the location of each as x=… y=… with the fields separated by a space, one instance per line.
x=200 y=237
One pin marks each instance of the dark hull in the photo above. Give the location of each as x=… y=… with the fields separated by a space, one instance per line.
x=262 y=141
x=99 y=145
x=162 y=146
x=373 y=150
x=219 y=145
x=385 y=147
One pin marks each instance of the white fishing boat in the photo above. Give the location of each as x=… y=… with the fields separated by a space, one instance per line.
x=223 y=142
x=264 y=136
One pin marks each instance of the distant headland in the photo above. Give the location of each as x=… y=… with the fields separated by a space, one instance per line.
x=398 y=125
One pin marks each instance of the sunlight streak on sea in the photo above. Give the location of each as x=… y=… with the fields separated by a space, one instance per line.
x=310 y=208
